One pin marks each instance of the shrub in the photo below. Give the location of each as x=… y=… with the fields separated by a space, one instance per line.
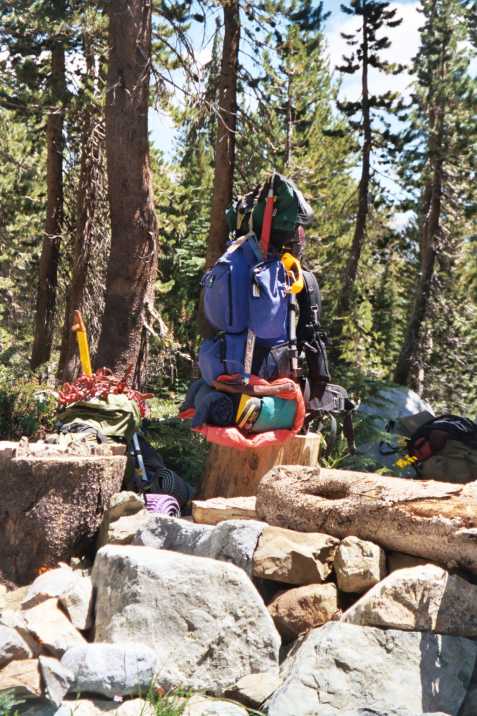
x=26 y=405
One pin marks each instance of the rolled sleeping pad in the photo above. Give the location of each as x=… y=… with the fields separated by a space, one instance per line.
x=172 y=484
x=162 y=504
x=258 y=415
x=275 y=414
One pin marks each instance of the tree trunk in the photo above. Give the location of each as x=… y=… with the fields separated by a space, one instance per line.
x=430 y=226
x=289 y=123
x=236 y=473
x=50 y=251
x=434 y=520
x=90 y=183
x=133 y=259
x=351 y=269
x=225 y=138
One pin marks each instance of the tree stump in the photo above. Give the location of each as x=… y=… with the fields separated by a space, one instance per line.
x=236 y=473
x=51 y=509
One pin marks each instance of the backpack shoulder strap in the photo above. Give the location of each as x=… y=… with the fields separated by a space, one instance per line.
x=310 y=297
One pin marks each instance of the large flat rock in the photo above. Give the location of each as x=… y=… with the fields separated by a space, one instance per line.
x=203 y=618
x=341 y=668
x=422 y=598
x=51 y=509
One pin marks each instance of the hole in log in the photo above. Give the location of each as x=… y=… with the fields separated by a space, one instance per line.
x=332 y=490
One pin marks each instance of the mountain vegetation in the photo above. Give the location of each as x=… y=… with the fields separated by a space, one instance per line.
x=94 y=217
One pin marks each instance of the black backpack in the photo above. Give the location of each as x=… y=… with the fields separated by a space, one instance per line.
x=322 y=397
x=311 y=338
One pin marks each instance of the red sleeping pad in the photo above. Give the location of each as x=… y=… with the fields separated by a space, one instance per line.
x=233 y=437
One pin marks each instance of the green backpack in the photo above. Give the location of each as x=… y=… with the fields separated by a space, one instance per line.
x=291 y=208
x=114 y=417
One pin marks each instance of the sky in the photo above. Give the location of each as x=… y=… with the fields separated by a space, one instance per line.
x=405 y=43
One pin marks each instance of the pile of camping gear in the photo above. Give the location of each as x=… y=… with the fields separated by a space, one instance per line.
x=265 y=308
x=440 y=448
x=102 y=408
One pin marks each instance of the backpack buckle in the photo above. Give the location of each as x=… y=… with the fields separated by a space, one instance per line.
x=315 y=313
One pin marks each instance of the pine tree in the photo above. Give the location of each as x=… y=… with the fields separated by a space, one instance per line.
x=32 y=33
x=133 y=258
x=441 y=157
x=225 y=131
x=366 y=45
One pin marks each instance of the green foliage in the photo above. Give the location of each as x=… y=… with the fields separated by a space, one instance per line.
x=8 y=704
x=183 y=451
x=26 y=405
x=171 y=704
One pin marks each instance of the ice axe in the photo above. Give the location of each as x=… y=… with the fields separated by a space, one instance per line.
x=267 y=218
x=79 y=329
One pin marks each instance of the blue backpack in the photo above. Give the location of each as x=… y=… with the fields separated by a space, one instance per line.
x=226 y=286
x=241 y=291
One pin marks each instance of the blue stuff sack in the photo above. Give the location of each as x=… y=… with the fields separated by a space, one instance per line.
x=275 y=414
x=222 y=355
x=227 y=286
x=268 y=301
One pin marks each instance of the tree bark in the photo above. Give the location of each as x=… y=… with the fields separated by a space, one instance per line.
x=434 y=520
x=50 y=252
x=90 y=179
x=225 y=137
x=90 y=183
x=133 y=259
x=351 y=269
x=237 y=473
x=404 y=373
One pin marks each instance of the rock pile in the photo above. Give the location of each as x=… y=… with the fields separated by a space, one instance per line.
x=219 y=618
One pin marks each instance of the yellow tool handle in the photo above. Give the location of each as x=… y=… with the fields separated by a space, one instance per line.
x=82 y=339
x=294 y=271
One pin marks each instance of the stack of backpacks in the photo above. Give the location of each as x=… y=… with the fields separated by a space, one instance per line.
x=266 y=311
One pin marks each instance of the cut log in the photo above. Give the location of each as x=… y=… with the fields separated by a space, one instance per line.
x=218 y=509
x=236 y=473
x=51 y=509
x=434 y=520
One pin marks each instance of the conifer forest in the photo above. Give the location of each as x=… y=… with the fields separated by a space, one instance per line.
x=127 y=128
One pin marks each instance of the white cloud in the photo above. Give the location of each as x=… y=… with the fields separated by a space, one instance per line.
x=404 y=46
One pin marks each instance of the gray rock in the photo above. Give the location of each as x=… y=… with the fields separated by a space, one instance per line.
x=359 y=565
x=254 y=689
x=293 y=557
x=74 y=591
x=14 y=619
x=204 y=618
x=78 y=602
x=56 y=679
x=51 y=627
x=111 y=669
x=87 y=707
x=425 y=598
x=341 y=667
x=53 y=583
x=124 y=503
x=136 y=707
x=391 y=712
x=123 y=530
x=199 y=705
x=232 y=541
x=235 y=541
x=12 y=646
x=174 y=534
